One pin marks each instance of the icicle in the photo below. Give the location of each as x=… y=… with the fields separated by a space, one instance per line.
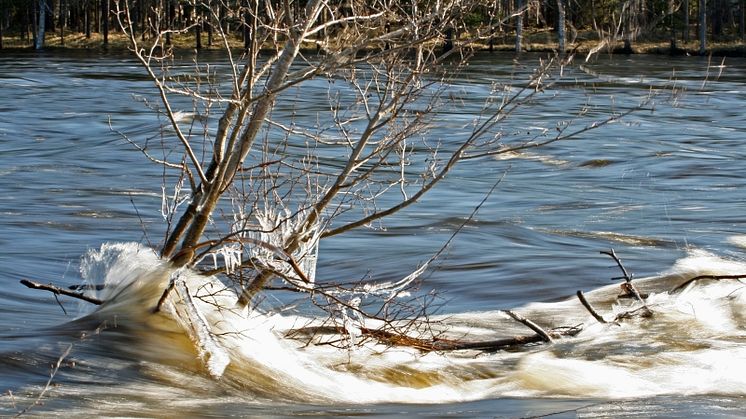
x=394 y=288
x=164 y=203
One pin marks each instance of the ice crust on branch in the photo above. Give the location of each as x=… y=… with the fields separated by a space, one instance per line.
x=214 y=356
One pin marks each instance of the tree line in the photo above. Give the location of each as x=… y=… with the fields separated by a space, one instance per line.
x=30 y=21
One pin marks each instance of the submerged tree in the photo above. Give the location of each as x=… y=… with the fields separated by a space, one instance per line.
x=260 y=193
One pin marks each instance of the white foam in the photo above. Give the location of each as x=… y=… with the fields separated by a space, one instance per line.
x=690 y=346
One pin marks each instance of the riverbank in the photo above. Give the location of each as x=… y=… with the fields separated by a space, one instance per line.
x=535 y=41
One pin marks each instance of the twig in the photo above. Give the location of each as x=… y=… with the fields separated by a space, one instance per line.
x=531 y=325
x=618 y=261
x=642 y=311
x=701 y=277
x=162 y=300
x=62 y=291
x=627 y=278
x=142 y=223
x=471 y=216
x=59 y=303
x=629 y=287
x=49 y=382
x=590 y=308
x=93 y=287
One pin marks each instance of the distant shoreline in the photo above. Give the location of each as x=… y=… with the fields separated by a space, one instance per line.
x=541 y=41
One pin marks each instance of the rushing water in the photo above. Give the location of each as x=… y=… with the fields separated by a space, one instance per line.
x=664 y=188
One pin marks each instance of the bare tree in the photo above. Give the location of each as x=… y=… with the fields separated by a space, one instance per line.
x=254 y=212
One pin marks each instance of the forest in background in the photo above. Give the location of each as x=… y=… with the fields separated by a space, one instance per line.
x=668 y=26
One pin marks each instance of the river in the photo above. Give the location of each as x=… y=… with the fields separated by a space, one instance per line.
x=664 y=187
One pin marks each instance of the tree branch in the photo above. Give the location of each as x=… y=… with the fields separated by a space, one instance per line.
x=590 y=308
x=531 y=325
x=61 y=291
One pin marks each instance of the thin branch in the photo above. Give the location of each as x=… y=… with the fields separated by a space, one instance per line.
x=703 y=277
x=161 y=86
x=56 y=368
x=164 y=295
x=626 y=276
x=590 y=308
x=142 y=223
x=61 y=291
x=531 y=325
x=630 y=288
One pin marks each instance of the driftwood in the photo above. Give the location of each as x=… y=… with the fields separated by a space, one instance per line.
x=438 y=344
x=435 y=344
x=628 y=290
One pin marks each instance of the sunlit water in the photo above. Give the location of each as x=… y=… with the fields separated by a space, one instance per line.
x=663 y=188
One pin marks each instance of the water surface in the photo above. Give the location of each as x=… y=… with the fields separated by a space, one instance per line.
x=662 y=185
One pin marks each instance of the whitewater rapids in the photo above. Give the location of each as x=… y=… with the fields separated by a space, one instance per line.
x=693 y=345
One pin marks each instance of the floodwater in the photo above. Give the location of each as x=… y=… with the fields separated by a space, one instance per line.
x=664 y=187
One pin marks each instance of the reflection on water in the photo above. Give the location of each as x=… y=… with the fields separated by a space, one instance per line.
x=656 y=187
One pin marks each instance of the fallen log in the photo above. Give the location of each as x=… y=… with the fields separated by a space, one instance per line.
x=435 y=344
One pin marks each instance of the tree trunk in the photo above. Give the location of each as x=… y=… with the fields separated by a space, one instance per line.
x=247 y=29
x=519 y=26
x=169 y=20
x=209 y=31
x=97 y=18
x=141 y=12
x=561 y=35
x=448 y=44
x=716 y=27
x=593 y=15
x=671 y=7
x=742 y=21
x=105 y=21
x=87 y=20
x=685 y=6
x=4 y=20
x=29 y=20
x=50 y=24
x=39 y=38
x=197 y=29
x=62 y=22
x=193 y=222
x=702 y=27
x=492 y=39
x=221 y=19
x=628 y=28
